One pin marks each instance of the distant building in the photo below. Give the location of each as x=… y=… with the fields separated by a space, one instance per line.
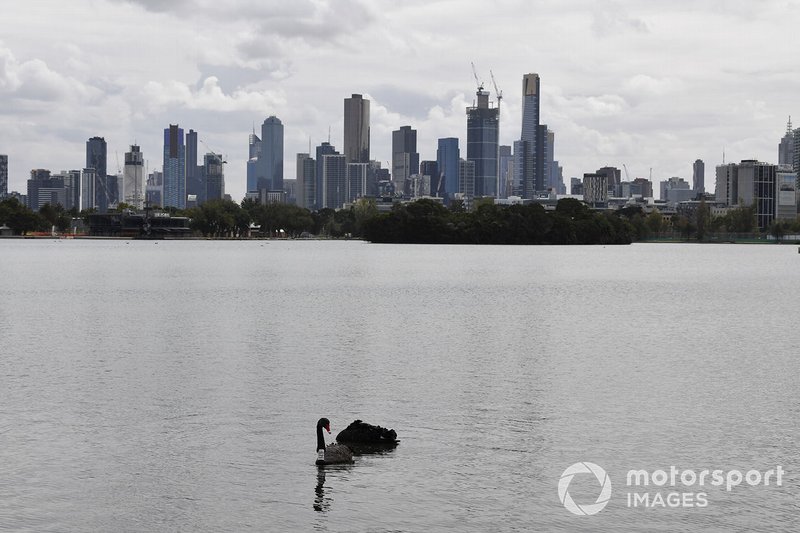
x=97 y=155
x=270 y=160
x=786 y=183
x=614 y=178
x=431 y=169
x=786 y=147
x=466 y=178
x=133 y=178
x=448 y=156
x=214 y=173
x=290 y=188
x=643 y=186
x=750 y=183
x=575 y=186
x=699 y=177
x=557 y=177
x=356 y=129
x=550 y=172
x=72 y=188
x=3 y=176
x=529 y=151
x=174 y=167
x=104 y=192
x=405 y=159
x=195 y=175
x=154 y=190
x=88 y=188
x=676 y=190
x=506 y=162
x=419 y=186
x=357 y=181
x=44 y=189
x=254 y=150
x=595 y=189
x=483 y=124
x=306 y=183
x=334 y=180
x=322 y=150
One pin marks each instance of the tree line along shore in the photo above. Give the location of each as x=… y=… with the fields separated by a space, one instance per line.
x=429 y=222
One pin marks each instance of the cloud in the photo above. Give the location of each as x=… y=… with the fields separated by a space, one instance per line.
x=209 y=97
x=34 y=80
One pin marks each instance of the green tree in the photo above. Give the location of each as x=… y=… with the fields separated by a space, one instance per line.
x=655 y=221
x=20 y=218
x=701 y=219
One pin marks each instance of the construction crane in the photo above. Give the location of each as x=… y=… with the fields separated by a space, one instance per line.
x=496 y=90
x=499 y=99
x=478 y=82
x=212 y=152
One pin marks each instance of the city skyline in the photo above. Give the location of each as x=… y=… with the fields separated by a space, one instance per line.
x=630 y=111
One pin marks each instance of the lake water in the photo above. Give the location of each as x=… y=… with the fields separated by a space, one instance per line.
x=175 y=386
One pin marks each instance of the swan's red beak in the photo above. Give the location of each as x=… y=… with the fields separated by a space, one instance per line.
x=328 y=429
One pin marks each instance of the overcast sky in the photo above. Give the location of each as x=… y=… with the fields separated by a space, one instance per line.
x=645 y=83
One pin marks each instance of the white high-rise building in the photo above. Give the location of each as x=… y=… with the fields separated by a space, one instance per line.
x=133 y=184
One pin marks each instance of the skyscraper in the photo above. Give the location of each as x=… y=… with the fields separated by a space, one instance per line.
x=3 y=176
x=306 y=182
x=786 y=146
x=699 y=177
x=88 y=188
x=133 y=178
x=323 y=149
x=405 y=159
x=466 y=177
x=195 y=174
x=447 y=158
x=357 y=180
x=549 y=160
x=213 y=171
x=154 y=190
x=96 y=158
x=96 y=155
x=254 y=148
x=44 y=189
x=613 y=179
x=750 y=183
x=334 y=180
x=506 y=163
x=174 y=168
x=356 y=129
x=270 y=160
x=482 y=141
x=529 y=157
x=72 y=188
x=431 y=169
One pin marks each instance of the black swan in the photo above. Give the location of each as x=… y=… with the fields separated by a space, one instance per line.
x=334 y=453
x=363 y=437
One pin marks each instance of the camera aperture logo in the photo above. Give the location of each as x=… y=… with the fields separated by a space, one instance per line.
x=665 y=488
x=566 y=479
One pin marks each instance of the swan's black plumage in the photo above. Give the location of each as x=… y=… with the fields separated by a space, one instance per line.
x=361 y=433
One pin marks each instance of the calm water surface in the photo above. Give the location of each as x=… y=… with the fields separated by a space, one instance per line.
x=165 y=386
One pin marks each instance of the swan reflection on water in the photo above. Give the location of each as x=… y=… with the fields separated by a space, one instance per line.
x=321 y=503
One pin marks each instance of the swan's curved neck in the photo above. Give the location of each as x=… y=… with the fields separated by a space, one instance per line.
x=320 y=439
